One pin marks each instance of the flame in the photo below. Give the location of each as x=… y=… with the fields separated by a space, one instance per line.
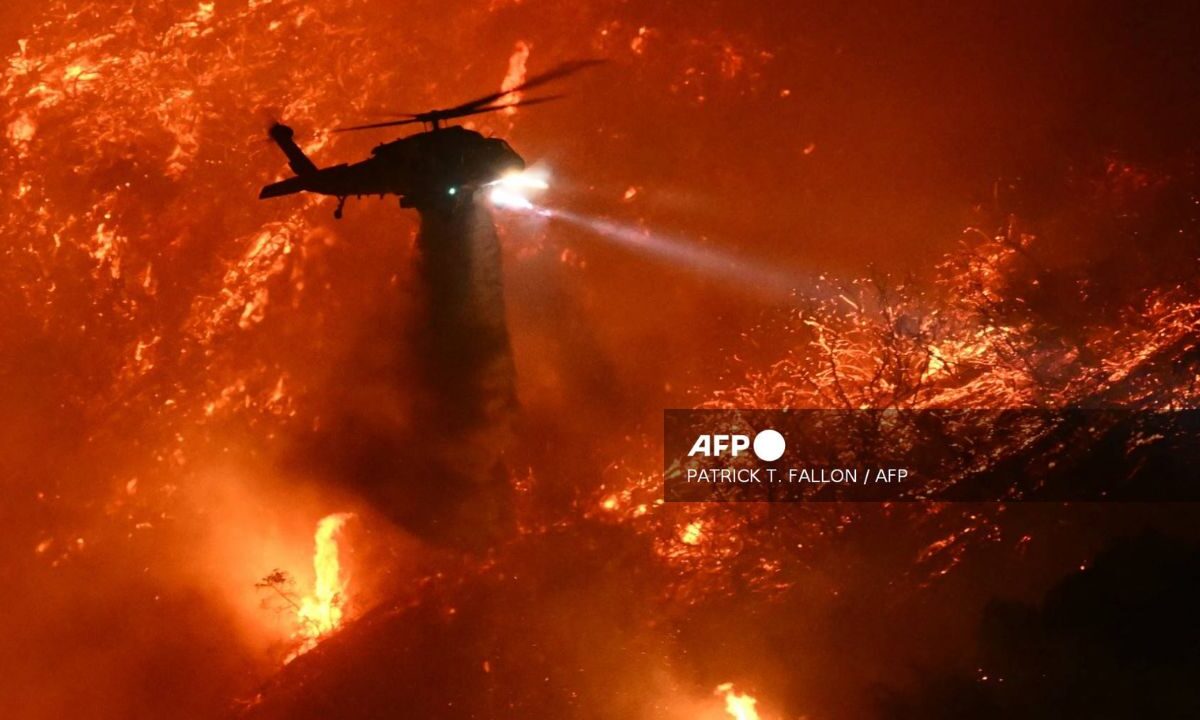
x=515 y=75
x=321 y=612
x=693 y=533
x=740 y=706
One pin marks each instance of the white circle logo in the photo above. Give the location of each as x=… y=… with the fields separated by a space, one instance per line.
x=769 y=445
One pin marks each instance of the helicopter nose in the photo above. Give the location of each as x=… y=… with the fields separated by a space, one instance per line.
x=506 y=159
x=508 y=165
x=514 y=162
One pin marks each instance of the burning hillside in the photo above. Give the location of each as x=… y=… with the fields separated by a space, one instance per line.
x=233 y=489
x=614 y=607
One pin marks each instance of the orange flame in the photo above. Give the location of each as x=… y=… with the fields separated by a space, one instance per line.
x=321 y=612
x=516 y=74
x=740 y=706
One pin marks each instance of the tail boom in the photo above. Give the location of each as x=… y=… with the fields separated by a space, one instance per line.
x=299 y=162
x=283 y=187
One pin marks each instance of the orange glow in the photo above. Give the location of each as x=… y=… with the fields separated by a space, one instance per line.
x=195 y=380
x=320 y=613
x=740 y=706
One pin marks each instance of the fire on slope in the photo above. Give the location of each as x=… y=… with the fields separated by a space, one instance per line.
x=320 y=612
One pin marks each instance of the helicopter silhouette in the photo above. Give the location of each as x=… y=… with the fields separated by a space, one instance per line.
x=439 y=168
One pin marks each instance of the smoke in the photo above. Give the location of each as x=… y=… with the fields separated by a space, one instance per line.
x=467 y=384
x=463 y=333
x=427 y=391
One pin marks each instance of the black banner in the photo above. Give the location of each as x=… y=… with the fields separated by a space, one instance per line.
x=931 y=455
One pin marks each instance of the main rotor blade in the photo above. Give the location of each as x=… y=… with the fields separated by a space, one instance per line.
x=390 y=123
x=391 y=114
x=490 y=108
x=554 y=73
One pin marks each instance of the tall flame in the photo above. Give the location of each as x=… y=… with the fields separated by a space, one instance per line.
x=740 y=706
x=320 y=613
x=515 y=75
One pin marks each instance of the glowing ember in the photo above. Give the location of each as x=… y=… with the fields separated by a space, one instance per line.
x=320 y=613
x=740 y=706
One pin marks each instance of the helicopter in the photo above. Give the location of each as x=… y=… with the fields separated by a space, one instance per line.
x=439 y=168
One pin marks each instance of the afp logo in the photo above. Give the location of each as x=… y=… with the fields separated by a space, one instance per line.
x=768 y=445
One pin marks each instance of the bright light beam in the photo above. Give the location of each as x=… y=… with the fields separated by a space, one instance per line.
x=512 y=191
x=709 y=261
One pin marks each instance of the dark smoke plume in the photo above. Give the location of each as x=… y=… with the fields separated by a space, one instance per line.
x=423 y=422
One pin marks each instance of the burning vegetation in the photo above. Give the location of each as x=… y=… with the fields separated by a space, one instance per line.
x=319 y=613
x=193 y=382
